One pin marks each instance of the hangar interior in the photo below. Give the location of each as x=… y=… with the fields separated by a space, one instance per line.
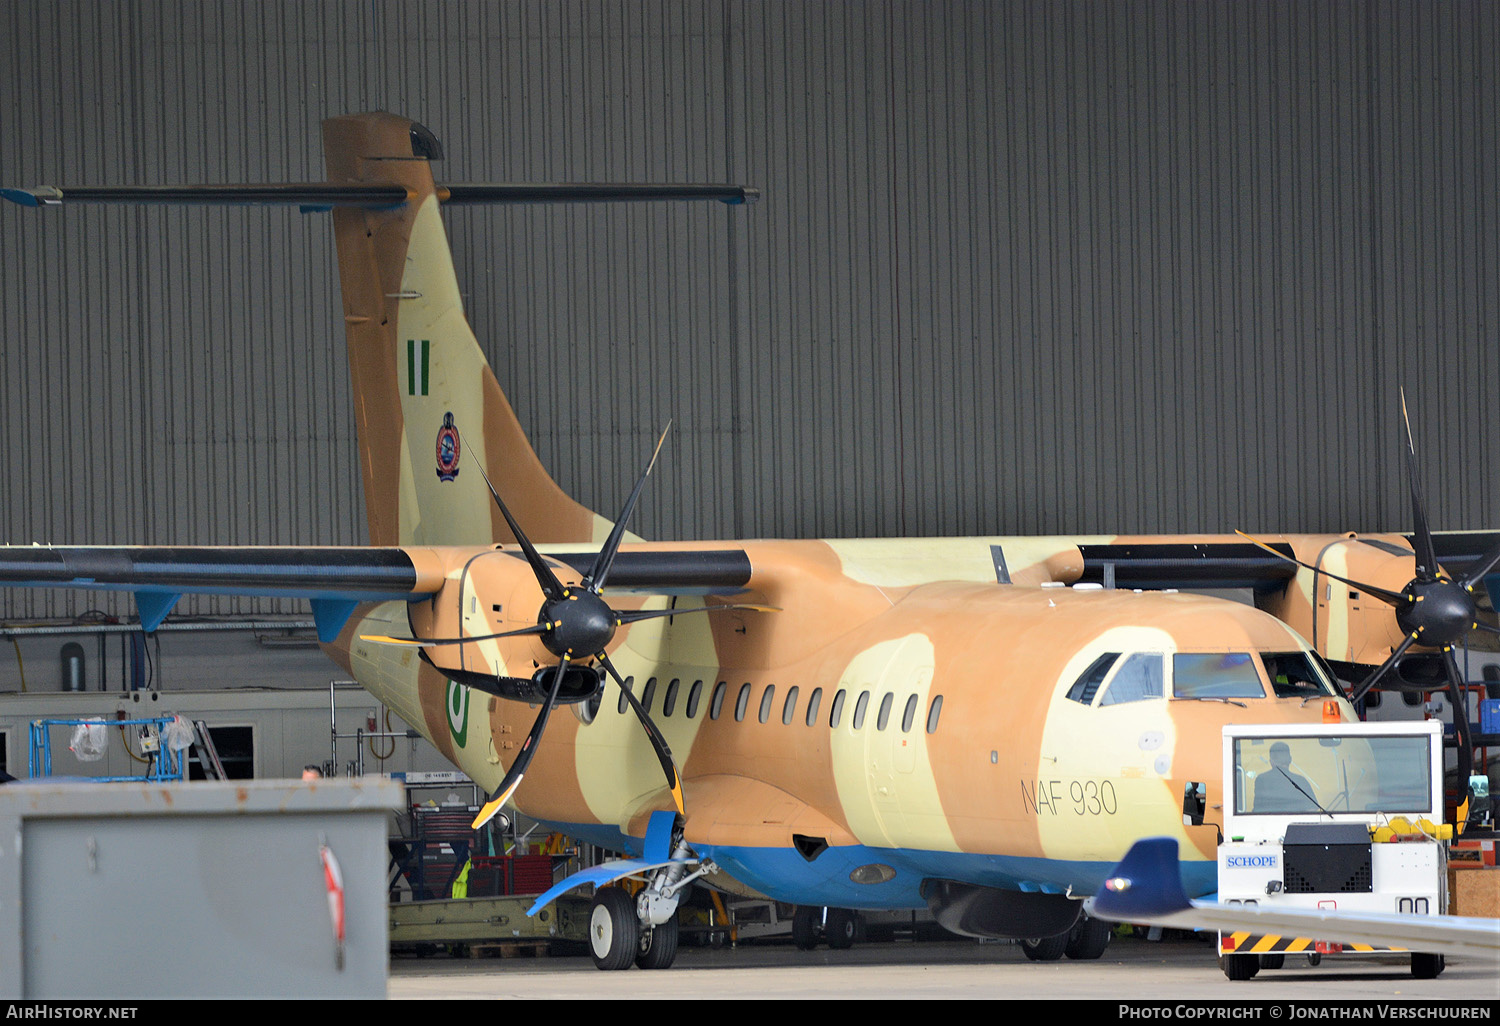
x=1018 y=268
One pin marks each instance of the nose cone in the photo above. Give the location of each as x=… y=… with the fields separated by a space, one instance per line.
x=582 y=625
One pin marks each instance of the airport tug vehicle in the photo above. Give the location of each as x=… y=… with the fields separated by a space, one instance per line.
x=1338 y=817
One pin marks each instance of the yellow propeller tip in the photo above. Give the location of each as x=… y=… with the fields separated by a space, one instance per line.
x=385 y=640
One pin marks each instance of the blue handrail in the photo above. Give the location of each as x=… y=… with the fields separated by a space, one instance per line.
x=165 y=765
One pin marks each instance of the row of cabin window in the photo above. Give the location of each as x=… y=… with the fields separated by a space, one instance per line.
x=789 y=706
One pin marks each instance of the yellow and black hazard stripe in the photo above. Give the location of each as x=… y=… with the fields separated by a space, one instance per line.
x=1270 y=944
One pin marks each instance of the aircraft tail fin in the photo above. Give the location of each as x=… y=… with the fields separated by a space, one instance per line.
x=422 y=387
x=426 y=401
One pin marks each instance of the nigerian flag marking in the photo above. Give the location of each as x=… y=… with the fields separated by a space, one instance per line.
x=416 y=366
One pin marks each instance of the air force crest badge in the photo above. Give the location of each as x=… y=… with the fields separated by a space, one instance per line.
x=447 y=449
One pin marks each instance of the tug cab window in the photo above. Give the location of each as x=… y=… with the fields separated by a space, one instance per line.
x=1215 y=675
x=1139 y=678
x=1385 y=773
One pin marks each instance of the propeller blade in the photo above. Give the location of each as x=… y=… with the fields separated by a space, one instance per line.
x=606 y=558
x=1388 y=597
x=1483 y=567
x=1458 y=701
x=637 y=615
x=659 y=743
x=1427 y=565
x=1380 y=671
x=551 y=586
x=517 y=771
x=382 y=639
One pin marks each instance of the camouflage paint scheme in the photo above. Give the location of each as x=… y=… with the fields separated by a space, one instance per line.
x=971 y=764
x=1016 y=786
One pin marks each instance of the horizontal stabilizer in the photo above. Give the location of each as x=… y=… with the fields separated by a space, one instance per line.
x=1146 y=888
x=586 y=192
x=373 y=196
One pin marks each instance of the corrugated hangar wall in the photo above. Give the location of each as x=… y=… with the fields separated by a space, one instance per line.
x=1018 y=268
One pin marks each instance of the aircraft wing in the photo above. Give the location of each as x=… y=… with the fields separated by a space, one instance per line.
x=333 y=579
x=1146 y=888
x=1229 y=561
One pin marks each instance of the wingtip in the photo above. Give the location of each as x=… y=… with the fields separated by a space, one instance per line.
x=1146 y=883
x=38 y=196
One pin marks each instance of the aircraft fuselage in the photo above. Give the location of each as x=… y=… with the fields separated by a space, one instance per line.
x=866 y=737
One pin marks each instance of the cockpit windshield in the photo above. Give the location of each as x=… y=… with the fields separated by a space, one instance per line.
x=1116 y=678
x=1279 y=775
x=1215 y=675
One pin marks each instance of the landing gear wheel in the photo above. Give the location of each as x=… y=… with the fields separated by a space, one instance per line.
x=1426 y=966
x=658 y=945
x=841 y=928
x=1272 y=961
x=1045 y=949
x=614 y=931
x=1088 y=938
x=805 y=927
x=1240 y=967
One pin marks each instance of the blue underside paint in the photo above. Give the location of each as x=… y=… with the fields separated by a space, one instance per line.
x=783 y=874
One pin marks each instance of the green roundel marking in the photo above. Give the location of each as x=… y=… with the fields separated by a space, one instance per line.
x=458 y=713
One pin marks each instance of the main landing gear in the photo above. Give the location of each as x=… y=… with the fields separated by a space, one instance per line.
x=812 y=923
x=620 y=938
x=641 y=929
x=1086 y=940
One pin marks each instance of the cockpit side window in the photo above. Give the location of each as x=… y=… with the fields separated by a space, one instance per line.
x=1139 y=678
x=1294 y=675
x=1087 y=684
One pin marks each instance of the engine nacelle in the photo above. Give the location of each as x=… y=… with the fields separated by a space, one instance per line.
x=974 y=911
x=1344 y=624
x=580 y=683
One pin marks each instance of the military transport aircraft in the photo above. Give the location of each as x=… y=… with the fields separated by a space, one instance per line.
x=976 y=726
